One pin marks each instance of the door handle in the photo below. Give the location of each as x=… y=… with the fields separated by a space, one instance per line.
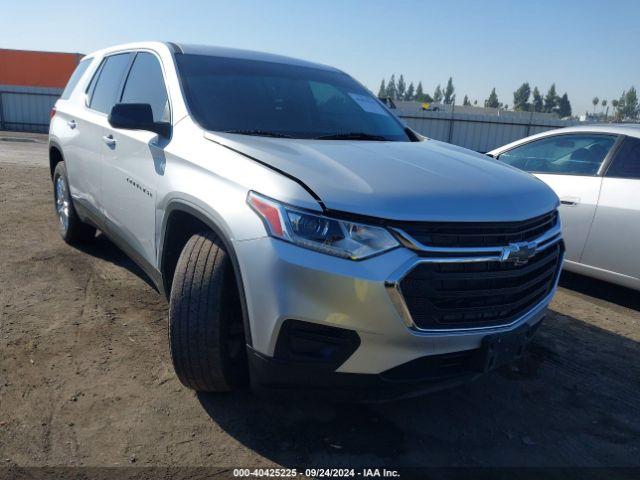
x=109 y=140
x=72 y=124
x=569 y=201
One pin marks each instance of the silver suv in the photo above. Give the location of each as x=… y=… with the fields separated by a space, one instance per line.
x=303 y=235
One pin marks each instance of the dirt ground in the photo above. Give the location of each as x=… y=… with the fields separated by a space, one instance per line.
x=86 y=378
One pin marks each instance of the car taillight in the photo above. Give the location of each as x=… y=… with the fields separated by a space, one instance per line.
x=52 y=112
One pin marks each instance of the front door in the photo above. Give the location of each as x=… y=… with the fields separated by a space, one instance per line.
x=133 y=162
x=578 y=200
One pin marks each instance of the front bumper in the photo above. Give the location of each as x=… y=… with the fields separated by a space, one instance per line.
x=284 y=282
x=310 y=379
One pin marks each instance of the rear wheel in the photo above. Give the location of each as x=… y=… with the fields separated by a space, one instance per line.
x=206 y=331
x=73 y=230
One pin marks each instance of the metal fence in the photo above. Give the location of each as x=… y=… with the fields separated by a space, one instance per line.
x=480 y=132
x=26 y=109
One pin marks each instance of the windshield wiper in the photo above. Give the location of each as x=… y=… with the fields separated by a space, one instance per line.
x=350 y=136
x=259 y=133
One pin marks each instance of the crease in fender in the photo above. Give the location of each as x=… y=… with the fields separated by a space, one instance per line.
x=271 y=167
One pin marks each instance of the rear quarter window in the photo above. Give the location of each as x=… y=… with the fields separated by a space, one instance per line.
x=75 y=78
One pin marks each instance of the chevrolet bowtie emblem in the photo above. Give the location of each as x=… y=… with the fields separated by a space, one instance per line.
x=518 y=253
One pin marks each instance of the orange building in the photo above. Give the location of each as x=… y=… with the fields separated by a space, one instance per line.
x=30 y=83
x=36 y=69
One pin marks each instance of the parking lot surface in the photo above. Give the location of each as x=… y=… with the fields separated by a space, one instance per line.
x=86 y=378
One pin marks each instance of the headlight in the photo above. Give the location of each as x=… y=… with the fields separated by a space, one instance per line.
x=317 y=232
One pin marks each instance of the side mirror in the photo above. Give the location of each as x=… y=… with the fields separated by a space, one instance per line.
x=137 y=116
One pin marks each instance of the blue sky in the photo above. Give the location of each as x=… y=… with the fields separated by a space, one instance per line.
x=588 y=48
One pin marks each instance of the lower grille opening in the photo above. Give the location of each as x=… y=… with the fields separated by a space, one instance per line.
x=435 y=367
x=478 y=294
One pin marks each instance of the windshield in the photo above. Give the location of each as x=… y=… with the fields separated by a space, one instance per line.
x=280 y=100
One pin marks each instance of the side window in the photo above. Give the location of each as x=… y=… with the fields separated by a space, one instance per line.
x=579 y=154
x=109 y=81
x=626 y=163
x=75 y=78
x=145 y=84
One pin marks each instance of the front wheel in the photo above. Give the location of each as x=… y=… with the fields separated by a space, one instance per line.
x=206 y=330
x=72 y=230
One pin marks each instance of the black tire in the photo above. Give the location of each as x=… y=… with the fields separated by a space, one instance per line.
x=74 y=231
x=206 y=330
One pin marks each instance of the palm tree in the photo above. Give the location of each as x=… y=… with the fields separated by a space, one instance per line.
x=615 y=104
x=603 y=104
x=595 y=104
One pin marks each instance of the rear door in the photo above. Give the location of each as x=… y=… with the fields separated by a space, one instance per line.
x=71 y=110
x=615 y=234
x=571 y=165
x=134 y=161
x=81 y=144
x=89 y=142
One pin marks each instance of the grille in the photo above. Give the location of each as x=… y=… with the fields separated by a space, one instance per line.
x=478 y=294
x=478 y=234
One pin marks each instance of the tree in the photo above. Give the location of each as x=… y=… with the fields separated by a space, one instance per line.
x=466 y=102
x=475 y=102
x=492 y=101
x=420 y=96
x=551 y=99
x=616 y=111
x=383 y=90
x=537 y=100
x=402 y=87
x=449 y=97
x=419 y=93
x=621 y=112
x=564 y=106
x=392 y=91
x=411 y=93
x=521 y=97
x=595 y=102
x=437 y=94
x=630 y=107
x=603 y=103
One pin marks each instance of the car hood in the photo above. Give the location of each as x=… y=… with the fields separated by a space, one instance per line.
x=426 y=180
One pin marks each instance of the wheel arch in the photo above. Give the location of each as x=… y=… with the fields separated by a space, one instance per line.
x=179 y=214
x=55 y=156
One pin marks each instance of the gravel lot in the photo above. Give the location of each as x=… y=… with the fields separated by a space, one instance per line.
x=86 y=378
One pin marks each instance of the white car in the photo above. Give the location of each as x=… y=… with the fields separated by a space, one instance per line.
x=595 y=170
